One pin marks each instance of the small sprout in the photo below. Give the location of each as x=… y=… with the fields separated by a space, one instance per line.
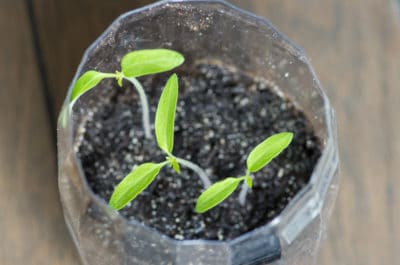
x=174 y=163
x=141 y=177
x=258 y=158
x=119 y=77
x=249 y=181
x=146 y=62
x=133 y=64
x=134 y=183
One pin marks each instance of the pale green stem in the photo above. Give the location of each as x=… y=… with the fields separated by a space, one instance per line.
x=166 y=162
x=198 y=170
x=145 y=106
x=243 y=192
x=109 y=75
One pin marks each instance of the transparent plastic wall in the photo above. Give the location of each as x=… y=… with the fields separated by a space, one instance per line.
x=203 y=31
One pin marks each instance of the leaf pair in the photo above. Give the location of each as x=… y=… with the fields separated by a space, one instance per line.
x=258 y=158
x=134 y=64
x=142 y=176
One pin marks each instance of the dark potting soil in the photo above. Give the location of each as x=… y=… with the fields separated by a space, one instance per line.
x=221 y=115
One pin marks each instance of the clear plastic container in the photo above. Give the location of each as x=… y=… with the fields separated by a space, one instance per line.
x=203 y=30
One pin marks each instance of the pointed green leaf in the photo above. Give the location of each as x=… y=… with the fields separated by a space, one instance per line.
x=133 y=184
x=146 y=62
x=175 y=165
x=215 y=194
x=271 y=147
x=173 y=162
x=165 y=115
x=87 y=81
x=249 y=182
x=119 y=82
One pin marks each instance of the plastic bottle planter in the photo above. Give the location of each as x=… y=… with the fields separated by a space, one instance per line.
x=204 y=30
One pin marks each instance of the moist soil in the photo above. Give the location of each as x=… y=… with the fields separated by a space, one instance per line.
x=221 y=115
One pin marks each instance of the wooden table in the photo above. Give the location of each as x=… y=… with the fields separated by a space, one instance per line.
x=353 y=45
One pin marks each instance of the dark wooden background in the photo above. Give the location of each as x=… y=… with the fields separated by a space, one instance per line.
x=353 y=45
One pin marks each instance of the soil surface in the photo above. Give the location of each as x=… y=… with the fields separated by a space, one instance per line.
x=221 y=116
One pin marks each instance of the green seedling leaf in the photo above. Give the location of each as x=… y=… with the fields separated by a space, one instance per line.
x=119 y=77
x=146 y=62
x=87 y=81
x=133 y=184
x=249 y=181
x=165 y=115
x=173 y=162
x=271 y=147
x=175 y=165
x=215 y=194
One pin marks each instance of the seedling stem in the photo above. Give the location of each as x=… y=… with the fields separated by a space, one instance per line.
x=145 y=106
x=198 y=170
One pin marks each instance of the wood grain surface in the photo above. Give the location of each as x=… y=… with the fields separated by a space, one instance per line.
x=32 y=228
x=354 y=47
